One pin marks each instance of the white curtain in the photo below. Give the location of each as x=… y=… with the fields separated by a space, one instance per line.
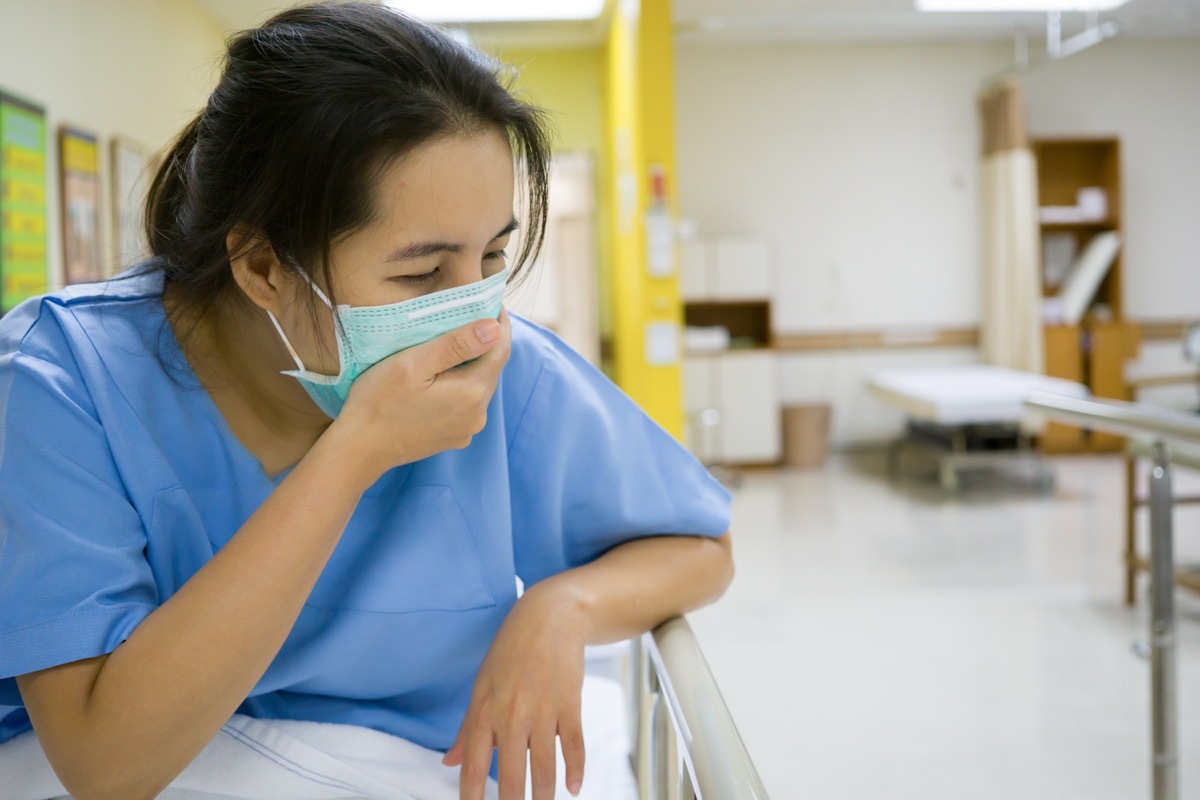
x=1011 y=334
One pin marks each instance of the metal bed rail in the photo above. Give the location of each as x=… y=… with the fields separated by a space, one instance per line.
x=686 y=746
x=1161 y=428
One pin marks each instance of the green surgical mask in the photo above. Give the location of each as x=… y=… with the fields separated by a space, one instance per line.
x=368 y=334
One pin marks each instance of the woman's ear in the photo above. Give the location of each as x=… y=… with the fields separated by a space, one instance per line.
x=256 y=268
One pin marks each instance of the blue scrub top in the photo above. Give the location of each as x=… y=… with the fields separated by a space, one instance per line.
x=119 y=479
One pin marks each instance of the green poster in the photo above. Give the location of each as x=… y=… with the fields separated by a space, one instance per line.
x=23 y=265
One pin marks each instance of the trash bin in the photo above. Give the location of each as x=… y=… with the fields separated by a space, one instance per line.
x=805 y=434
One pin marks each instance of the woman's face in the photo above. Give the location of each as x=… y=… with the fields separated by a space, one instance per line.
x=443 y=217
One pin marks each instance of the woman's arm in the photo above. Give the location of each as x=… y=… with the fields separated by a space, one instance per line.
x=127 y=723
x=637 y=585
x=124 y=725
x=528 y=689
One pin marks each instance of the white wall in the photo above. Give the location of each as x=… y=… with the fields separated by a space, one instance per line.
x=135 y=68
x=1148 y=93
x=859 y=161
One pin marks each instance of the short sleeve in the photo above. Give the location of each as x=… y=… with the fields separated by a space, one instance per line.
x=74 y=579
x=588 y=469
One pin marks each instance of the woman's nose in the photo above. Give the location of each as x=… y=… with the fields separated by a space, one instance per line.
x=466 y=274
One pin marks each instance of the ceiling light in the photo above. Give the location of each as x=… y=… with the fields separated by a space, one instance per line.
x=1019 y=5
x=492 y=11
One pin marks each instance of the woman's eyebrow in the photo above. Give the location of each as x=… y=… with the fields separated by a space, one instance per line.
x=507 y=229
x=423 y=249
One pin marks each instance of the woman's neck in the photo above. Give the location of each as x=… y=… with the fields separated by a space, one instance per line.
x=237 y=356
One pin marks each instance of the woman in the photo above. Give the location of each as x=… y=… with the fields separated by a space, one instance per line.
x=191 y=527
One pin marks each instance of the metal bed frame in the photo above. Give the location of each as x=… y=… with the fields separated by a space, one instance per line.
x=1159 y=428
x=959 y=448
x=685 y=744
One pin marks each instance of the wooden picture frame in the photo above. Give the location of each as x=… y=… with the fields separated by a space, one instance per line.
x=133 y=166
x=79 y=194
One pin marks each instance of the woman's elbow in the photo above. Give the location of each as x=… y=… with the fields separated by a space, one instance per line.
x=725 y=568
x=109 y=782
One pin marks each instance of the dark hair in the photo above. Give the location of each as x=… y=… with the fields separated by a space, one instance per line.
x=310 y=107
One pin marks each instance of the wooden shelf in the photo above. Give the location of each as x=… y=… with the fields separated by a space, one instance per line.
x=745 y=319
x=1091 y=225
x=1095 y=351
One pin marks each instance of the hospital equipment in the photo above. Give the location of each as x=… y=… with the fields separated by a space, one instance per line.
x=967 y=416
x=1164 y=432
x=1191 y=343
x=686 y=745
x=1135 y=562
x=1181 y=455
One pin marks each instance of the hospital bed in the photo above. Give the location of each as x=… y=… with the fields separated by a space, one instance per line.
x=686 y=746
x=1135 y=451
x=1184 y=455
x=967 y=416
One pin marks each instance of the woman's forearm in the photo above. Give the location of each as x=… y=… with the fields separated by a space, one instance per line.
x=164 y=693
x=637 y=585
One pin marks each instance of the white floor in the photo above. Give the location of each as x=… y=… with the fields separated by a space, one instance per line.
x=881 y=641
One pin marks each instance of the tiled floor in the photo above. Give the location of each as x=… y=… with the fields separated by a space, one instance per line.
x=881 y=641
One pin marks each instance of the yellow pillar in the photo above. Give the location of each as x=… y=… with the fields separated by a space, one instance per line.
x=640 y=131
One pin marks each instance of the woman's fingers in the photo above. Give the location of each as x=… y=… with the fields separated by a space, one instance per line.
x=492 y=362
x=454 y=755
x=542 y=763
x=456 y=347
x=570 y=738
x=513 y=758
x=476 y=762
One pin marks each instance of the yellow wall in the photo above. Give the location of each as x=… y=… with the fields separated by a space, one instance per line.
x=617 y=102
x=568 y=82
x=639 y=102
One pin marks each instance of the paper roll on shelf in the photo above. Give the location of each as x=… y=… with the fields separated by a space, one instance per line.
x=1083 y=281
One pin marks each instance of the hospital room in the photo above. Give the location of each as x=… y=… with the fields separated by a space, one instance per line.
x=823 y=421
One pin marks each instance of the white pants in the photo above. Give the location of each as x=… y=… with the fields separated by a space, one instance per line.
x=252 y=759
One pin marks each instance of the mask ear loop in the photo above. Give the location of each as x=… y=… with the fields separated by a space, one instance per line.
x=286 y=343
x=279 y=328
x=316 y=289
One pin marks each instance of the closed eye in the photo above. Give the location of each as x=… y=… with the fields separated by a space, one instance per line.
x=499 y=255
x=424 y=277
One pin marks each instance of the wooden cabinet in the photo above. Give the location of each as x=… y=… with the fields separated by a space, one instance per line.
x=725 y=268
x=1079 y=188
x=732 y=404
x=731 y=396
x=1063 y=360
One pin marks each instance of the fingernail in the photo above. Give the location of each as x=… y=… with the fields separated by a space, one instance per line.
x=488 y=331
x=573 y=787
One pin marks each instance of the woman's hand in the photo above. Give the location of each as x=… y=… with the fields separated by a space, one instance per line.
x=527 y=691
x=427 y=399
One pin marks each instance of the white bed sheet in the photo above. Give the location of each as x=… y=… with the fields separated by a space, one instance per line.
x=968 y=394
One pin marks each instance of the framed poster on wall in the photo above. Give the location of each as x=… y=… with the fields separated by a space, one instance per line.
x=23 y=260
x=133 y=168
x=79 y=166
